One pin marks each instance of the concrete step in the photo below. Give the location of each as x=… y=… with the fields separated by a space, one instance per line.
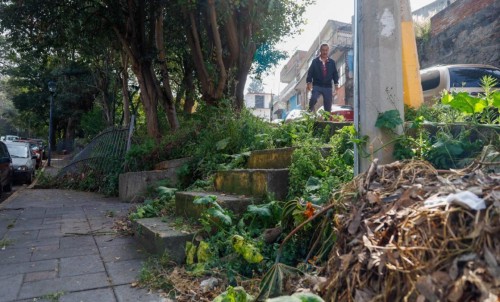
x=253 y=182
x=270 y=159
x=133 y=185
x=173 y=163
x=238 y=204
x=158 y=235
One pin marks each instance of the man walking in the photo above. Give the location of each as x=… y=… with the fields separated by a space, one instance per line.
x=320 y=75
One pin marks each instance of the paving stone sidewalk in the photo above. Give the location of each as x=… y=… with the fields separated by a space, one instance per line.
x=61 y=243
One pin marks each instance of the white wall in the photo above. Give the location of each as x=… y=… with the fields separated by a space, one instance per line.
x=264 y=113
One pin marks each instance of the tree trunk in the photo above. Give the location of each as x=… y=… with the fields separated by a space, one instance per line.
x=139 y=46
x=149 y=95
x=246 y=57
x=69 y=134
x=167 y=97
x=125 y=93
x=190 y=92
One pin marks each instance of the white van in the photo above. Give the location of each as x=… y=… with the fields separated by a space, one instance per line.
x=455 y=78
x=23 y=161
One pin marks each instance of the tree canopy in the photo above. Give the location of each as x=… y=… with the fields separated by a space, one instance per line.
x=174 y=53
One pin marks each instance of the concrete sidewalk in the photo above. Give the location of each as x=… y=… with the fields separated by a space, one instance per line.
x=61 y=243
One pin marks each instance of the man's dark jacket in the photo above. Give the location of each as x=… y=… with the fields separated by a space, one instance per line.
x=315 y=73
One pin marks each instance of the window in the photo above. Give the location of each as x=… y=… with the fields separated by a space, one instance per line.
x=471 y=77
x=259 y=101
x=3 y=151
x=430 y=80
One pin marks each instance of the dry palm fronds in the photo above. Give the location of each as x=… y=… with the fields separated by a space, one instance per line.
x=394 y=248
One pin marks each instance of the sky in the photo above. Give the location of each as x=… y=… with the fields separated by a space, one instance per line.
x=316 y=16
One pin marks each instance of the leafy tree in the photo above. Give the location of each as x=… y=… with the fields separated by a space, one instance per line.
x=255 y=86
x=265 y=58
x=224 y=37
x=151 y=36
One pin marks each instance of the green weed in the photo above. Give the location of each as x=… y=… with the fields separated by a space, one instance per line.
x=52 y=297
x=5 y=242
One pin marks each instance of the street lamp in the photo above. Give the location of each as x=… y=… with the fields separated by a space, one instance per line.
x=52 y=89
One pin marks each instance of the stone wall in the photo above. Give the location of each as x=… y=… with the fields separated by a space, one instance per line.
x=467 y=31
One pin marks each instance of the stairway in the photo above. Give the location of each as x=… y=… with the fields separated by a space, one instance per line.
x=266 y=175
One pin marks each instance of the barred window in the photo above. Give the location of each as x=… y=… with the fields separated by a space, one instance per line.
x=259 y=101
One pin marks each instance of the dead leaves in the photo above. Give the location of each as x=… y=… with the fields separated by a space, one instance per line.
x=393 y=248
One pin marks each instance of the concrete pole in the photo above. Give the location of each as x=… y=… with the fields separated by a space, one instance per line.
x=379 y=82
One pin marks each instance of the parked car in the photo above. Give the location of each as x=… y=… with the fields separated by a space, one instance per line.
x=23 y=161
x=35 y=148
x=295 y=114
x=41 y=146
x=455 y=78
x=6 y=169
x=342 y=110
x=9 y=138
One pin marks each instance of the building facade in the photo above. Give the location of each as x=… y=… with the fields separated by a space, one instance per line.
x=260 y=104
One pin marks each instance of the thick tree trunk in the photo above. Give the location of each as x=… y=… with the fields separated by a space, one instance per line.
x=149 y=95
x=138 y=45
x=167 y=97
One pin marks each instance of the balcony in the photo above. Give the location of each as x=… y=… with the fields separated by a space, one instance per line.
x=289 y=71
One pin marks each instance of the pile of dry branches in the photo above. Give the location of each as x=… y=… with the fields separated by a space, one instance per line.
x=396 y=246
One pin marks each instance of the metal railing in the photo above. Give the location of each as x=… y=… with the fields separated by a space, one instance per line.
x=104 y=154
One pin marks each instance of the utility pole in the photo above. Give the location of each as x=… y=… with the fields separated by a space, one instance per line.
x=378 y=80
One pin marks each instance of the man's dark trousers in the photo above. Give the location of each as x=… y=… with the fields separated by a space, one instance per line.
x=327 y=98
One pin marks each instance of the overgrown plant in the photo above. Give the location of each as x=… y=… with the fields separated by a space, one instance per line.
x=160 y=205
x=234 y=244
x=483 y=109
x=317 y=169
x=450 y=145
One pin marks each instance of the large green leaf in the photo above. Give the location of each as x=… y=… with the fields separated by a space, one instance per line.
x=203 y=253
x=219 y=214
x=496 y=99
x=313 y=184
x=206 y=200
x=260 y=210
x=236 y=294
x=190 y=252
x=222 y=144
x=468 y=104
x=389 y=119
x=447 y=98
x=167 y=192
x=249 y=252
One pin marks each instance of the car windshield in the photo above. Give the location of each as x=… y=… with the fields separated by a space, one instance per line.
x=18 y=151
x=471 y=76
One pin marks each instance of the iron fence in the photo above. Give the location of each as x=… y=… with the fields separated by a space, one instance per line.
x=104 y=154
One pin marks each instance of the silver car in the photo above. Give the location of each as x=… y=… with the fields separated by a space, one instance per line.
x=455 y=78
x=23 y=161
